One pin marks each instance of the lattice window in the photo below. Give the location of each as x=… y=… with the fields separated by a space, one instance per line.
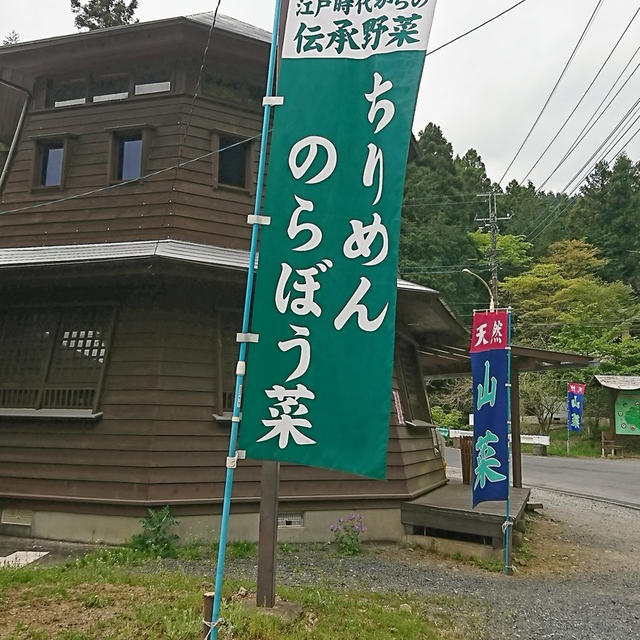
x=53 y=358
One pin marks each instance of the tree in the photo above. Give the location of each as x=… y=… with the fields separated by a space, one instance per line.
x=561 y=299
x=13 y=37
x=513 y=251
x=542 y=395
x=98 y=14
x=436 y=218
x=608 y=215
x=562 y=303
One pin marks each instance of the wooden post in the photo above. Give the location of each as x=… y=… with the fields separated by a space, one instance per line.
x=268 y=531
x=207 y=612
x=268 y=535
x=516 y=449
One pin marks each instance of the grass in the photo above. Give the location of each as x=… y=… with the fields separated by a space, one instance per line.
x=581 y=445
x=114 y=595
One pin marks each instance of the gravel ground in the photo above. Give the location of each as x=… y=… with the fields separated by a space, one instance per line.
x=581 y=581
x=578 y=579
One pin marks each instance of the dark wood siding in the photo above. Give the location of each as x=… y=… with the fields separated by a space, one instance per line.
x=180 y=204
x=157 y=441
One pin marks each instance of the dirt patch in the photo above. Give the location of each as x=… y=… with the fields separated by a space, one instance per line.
x=50 y=609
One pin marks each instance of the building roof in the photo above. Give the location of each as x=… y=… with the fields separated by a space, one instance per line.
x=420 y=308
x=79 y=253
x=223 y=23
x=231 y=25
x=446 y=360
x=624 y=383
x=169 y=249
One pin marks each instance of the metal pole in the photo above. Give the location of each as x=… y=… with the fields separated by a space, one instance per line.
x=494 y=230
x=241 y=368
x=507 y=522
x=516 y=449
x=18 y=131
x=492 y=303
x=493 y=223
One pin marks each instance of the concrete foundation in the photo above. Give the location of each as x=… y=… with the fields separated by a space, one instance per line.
x=445 y=546
x=381 y=525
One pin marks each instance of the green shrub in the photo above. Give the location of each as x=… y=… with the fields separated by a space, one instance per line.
x=155 y=538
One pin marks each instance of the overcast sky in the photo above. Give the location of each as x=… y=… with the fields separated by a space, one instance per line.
x=486 y=90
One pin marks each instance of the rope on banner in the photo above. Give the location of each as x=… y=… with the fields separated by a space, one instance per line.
x=234 y=454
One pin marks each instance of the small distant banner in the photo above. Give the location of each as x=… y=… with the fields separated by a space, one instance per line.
x=490 y=366
x=575 y=403
x=318 y=386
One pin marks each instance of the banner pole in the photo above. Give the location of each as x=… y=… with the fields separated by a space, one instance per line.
x=568 y=426
x=241 y=368
x=507 y=522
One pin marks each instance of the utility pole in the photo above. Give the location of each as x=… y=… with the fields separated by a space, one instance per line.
x=491 y=223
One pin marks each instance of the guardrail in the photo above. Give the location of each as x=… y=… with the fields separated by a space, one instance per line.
x=525 y=438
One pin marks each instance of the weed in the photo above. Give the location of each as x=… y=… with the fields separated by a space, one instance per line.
x=181 y=625
x=155 y=538
x=489 y=565
x=241 y=549
x=287 y=547
x=95 y=601
x=347 y=532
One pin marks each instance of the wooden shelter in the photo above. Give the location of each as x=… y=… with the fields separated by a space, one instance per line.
x=452 y=360
x=122 y=280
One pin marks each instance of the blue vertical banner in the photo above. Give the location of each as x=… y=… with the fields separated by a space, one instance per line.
x=490 y=355
x=575 y=404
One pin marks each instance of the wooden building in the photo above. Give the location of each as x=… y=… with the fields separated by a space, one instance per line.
x=121 y=282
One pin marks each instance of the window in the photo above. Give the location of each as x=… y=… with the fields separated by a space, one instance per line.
x=129 y=151
x=111 y=87
x=51 y=164
x=66 y=92
x=233 y=162
x=228 y=323
x=51 y=160
x=4 y=153
x=53 y=358
x=129 y=157
x=97 y=88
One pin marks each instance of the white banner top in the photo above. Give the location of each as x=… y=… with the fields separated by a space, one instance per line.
x=356 y=28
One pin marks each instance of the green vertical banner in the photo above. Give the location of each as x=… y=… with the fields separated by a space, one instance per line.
x=318 y=382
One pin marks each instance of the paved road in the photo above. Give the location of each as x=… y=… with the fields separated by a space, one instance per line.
x=616 y=481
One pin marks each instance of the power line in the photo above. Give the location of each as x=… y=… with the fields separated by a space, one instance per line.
x=555 y=213
x=564 y=124
x=553 y=91
x=628 y=142
x=203 y=62
x=117 y=185
x=466 y=33
x=606 y=140
x=604 y=155
x=591 y=122
x=444 y=203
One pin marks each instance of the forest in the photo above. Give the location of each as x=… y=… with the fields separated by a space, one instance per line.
x=568 y=266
